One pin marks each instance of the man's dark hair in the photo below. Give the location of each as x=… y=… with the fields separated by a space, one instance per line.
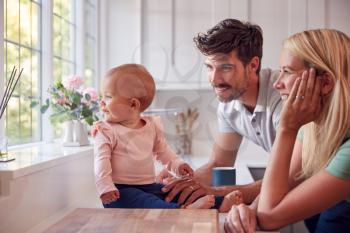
x=231 y=34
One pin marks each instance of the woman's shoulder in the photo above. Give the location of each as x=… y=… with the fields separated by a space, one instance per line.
x=345 y=147
x=340 y=164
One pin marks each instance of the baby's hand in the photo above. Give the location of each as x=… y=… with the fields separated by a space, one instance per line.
x=110 y=196
x=164 y=177
x=185 y=170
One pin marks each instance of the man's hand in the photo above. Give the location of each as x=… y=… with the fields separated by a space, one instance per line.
x=110 y=196
x=190 y=190
x=240 y=219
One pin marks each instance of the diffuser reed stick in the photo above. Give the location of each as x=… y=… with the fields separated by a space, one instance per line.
x=10 y=87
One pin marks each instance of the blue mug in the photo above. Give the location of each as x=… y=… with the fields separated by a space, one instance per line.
x=223 y=176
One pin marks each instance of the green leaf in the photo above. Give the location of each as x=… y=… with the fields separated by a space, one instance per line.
x=55 y=95
x=89 y=120
x=86 y=112
x=59 y=86
x=58 y=108
x=60 y=116
x=44 y=108
x=34 y=103
x=76 y=98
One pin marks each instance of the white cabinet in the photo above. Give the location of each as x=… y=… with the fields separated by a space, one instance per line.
x=159 y=33
x=167 y=49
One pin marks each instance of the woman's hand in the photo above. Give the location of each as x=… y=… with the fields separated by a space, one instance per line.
x=304 y=102
x=240 y=219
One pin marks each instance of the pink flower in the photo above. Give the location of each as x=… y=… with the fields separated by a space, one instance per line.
x=73 y=82
x=61 y=101
x=92 y=92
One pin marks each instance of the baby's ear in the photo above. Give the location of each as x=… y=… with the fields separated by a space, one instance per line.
x=327 y=84
x=135 y=103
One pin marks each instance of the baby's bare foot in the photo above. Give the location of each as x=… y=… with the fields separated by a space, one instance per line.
x=233 y=198
x=205 y=202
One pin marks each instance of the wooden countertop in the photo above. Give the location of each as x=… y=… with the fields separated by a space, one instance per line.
x=85 y=220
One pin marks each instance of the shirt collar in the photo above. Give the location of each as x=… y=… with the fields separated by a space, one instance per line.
x=262 y=95
x=264 y=83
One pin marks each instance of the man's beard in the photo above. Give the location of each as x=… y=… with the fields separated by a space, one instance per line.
x=234 y=96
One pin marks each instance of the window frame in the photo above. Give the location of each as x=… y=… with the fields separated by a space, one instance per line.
x=22 y=47
x=2 y=63
x=47 y=58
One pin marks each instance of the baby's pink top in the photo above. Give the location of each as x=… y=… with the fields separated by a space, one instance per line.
x=126 y=156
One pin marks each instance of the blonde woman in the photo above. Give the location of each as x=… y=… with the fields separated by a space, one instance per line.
x=308 y=175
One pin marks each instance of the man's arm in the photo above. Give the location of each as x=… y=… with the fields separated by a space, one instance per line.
x=224 y=154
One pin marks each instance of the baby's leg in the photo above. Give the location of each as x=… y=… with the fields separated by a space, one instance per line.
x=205 y=202
x=133 y=197
x=233 y=198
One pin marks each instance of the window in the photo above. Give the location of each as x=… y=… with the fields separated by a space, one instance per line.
x=64 y=37
x=64 y=34
x=22 y=48
x=24 y=21
x=90 y=41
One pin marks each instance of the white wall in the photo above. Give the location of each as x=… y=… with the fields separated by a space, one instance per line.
x=159 y=34
x=32 y=198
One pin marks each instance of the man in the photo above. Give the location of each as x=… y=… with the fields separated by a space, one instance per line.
x=249 y=106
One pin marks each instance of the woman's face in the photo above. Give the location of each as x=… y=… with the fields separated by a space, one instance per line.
x=291 y=68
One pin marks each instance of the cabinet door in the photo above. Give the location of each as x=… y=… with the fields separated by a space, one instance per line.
x=159 y=33
x=168 y=50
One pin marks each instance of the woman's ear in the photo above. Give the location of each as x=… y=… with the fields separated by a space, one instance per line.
x=327 y=83
x=135 y=103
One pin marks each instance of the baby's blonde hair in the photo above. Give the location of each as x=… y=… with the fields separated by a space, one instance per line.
x=133 y=81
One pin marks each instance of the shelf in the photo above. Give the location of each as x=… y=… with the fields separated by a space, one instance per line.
x=39 y=157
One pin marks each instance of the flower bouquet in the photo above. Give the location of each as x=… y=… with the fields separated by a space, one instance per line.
x=69 y=101
x=73 y=105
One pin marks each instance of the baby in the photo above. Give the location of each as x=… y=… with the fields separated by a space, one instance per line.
x=127 y=143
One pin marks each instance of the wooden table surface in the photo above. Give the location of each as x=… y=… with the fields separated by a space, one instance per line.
x=84 y=220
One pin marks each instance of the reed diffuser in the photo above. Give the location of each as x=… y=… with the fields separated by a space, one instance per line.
x=9 y=89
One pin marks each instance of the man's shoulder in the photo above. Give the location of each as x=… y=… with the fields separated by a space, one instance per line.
x=267 y=79
x=269 y=75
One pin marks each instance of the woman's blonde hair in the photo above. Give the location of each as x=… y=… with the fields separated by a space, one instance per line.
x=327 y=50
